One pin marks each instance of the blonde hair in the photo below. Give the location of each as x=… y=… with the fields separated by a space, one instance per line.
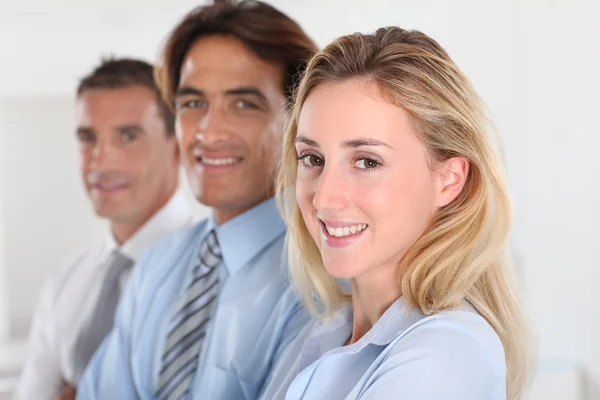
x=462 y=254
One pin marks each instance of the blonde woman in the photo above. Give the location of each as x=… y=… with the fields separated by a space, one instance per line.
x=388 y=180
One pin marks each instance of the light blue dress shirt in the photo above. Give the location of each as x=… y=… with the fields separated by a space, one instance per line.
x=256 y=315
x=453 y=355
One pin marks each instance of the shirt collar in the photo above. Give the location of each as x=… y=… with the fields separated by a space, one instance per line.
x=245 y=236
x=397 y=318
x=174 y=215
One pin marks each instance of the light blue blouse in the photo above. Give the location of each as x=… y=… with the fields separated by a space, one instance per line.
x=453 y=355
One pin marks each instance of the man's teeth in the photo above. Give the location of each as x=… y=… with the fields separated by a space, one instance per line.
x=219 y=161
x=346 y=231
x=109 y=186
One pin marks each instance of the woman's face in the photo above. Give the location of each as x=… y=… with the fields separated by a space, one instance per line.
x=364 y=184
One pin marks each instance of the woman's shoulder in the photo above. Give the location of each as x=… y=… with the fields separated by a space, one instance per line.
x=462 y=325
x=461 y=332
x=454 y=352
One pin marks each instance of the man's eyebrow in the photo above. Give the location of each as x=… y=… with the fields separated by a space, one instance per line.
x=129 y=128
x=246 y=90
x=188 y=90
x=85 y=130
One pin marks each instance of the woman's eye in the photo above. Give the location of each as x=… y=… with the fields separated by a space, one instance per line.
x=311 y=160
x=366 y=163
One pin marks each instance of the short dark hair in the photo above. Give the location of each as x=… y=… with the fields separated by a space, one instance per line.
x=115 y=73
x=270 y=34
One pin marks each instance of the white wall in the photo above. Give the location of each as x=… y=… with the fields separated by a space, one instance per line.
x=46 y=216
x=534 y=62
x=3 y=268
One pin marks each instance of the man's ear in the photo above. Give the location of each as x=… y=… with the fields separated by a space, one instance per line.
x=452 y=175
x=176 y=149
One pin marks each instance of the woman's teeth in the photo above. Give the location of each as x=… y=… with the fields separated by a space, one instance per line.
x=346 y=231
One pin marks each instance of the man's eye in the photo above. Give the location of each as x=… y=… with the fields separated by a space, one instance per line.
x=193 y=104
x=128 y=137
x=245 y=104
x=86 y=138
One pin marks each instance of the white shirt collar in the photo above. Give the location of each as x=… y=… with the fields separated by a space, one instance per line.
x=176 y=214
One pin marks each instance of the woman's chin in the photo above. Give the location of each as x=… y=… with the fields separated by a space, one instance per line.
x=340 y=271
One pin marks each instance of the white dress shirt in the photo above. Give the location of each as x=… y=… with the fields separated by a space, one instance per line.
x=69 y=296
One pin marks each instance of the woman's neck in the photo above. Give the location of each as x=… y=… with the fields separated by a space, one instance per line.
x=372 y=294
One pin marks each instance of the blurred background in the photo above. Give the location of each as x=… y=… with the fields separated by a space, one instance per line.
x=536 y=63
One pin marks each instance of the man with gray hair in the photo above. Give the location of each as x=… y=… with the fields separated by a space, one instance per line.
x=130 y=167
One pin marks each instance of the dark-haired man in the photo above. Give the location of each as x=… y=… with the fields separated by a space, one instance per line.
x=210 y=308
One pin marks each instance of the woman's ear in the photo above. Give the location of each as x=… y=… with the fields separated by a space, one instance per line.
x=452 y=175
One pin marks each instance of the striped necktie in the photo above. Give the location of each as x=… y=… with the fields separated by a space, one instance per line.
x=189 y=324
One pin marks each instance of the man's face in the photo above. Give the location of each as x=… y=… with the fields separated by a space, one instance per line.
x=230 y=108
x=128 y=163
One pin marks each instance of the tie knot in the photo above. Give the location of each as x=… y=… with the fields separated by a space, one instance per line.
x=117 y=263
x=211 y=245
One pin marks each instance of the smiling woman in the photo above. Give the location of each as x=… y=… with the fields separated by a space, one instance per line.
x=398 y=189
x=371 y=150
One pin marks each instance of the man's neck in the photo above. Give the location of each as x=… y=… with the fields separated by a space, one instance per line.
x=226 y=214
x=124 y=230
